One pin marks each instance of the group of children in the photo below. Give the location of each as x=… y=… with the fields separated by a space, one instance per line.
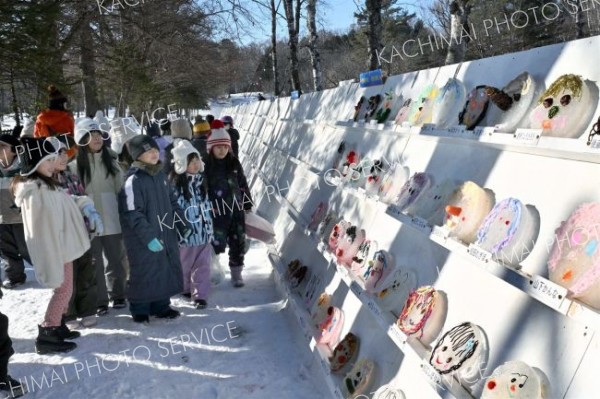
x=68 y=200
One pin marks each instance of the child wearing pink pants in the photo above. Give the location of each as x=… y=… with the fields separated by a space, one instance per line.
x=56 y=234
x=196 y=250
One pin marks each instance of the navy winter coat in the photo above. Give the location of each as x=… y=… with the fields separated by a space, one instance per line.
x=148 y=209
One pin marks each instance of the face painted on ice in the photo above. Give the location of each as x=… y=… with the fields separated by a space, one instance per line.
x=562 y=110
x=574 y=261
x=404 y=112
x=359 y=377
x=513 y=379
x=417 y=309
x=454 y=348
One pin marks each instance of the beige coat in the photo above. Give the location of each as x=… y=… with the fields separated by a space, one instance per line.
x=55 y=231
x=103 y=191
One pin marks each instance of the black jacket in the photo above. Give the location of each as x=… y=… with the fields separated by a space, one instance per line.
x=147 y=210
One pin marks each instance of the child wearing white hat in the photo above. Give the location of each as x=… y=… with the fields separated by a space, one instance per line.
x=195 y=251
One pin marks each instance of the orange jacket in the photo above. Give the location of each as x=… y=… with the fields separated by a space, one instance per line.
x=51 y=122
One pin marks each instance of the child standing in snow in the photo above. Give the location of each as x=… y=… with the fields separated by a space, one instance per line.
x=195 y=252
x=82 y=305
x=56 y=235
x=149 y=213
x=230 y=197
x=12 y=239
x=98 y=169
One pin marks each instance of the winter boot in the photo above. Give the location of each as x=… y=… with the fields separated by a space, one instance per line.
x=66 y=333
x=50 y=340
x=236 y=276
x=168 y=313
x=11 y=387
x=200 y=303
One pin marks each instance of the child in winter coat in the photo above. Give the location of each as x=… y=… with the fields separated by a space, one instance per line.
x=195 y=252
x=56 y=235
x=200 y=134
x=55 y=120
x=12 y=237
x=102 y=177
x=180 y=130
x=233 y=134
x=82 y=305
x=149 y=213
x=230 y=197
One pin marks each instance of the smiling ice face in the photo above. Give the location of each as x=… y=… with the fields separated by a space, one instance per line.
x=574 y=261
x=513 y=379
x=564 y=110
x=417 y=309
x=454 y=348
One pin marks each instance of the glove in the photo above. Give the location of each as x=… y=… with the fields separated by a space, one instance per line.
x=186 y=233
x=94 y=219
x=155 y=245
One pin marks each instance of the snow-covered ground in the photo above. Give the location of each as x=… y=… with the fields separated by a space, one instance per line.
x=244 y=345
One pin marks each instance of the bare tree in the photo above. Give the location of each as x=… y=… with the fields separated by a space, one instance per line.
x=292 y=16
x=274 y=45
x=87 y=61
x=375 y=31
x=459 y=31
x=315 y=56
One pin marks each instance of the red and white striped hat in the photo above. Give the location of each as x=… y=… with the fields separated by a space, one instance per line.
x=218 y=136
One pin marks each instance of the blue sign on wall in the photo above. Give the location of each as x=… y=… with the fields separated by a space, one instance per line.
x=295 y=95
x=371 y=78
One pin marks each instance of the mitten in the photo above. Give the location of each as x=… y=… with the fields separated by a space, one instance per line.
x=94 y=219
x=155 y=245
x=186 y=233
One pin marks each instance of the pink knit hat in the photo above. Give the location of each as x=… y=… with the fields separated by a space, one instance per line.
x=218 y=136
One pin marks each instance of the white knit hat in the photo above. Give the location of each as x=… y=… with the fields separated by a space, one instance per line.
x=102 y=121
x=84 y=127
x=181 y=129
x=121 y=131
x=180 y=152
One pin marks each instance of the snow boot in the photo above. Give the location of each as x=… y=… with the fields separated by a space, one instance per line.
x=200 y=303
x=50 y=340
x=236 y=276
x=66 y=333
x=141 y=318
x=168 y=313
x=11 y=387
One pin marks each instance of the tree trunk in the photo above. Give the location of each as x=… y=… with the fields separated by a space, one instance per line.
x=579 y=20
x=375 y=29
x=87 y=63
x=15 y=103
x=459 y=31
x=274 y=47
x=293 y=42
x=315 y=56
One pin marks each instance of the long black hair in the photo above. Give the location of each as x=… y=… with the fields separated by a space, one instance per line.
x=84 y=169
x=180 y=181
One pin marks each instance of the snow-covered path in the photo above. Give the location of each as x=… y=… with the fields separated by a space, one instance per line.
x=244 y=345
